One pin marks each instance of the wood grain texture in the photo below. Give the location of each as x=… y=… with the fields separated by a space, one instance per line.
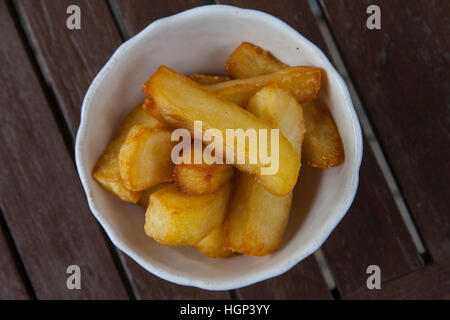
x=402 y=73
x=372 y=232
x=40 y=193
x=430 y=282
x=13 y=287
x=296 y=13
x=137 y=14
x=304 y=281
x=350 y=250
x=87 y=50
x=150 y=287
x=75 y=56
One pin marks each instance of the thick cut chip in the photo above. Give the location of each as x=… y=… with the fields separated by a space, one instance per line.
x=213 y=244
x=107 y=170
x=242 y=63
x=302 y=82
x=175 y=218
x=144 y=200
x=282 y=110
x=180 y=102
x=322 y=147
x=256 y=220
x=205 y=79
x=145 y=158
x=201 y=178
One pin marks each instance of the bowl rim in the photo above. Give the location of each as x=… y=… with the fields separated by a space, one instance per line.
x=239 y=282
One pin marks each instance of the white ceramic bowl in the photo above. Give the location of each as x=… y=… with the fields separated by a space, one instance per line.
x=199 y=41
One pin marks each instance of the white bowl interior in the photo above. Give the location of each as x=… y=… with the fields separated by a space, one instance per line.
x=199 y=41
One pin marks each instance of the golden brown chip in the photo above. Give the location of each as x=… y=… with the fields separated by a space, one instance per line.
x=200 y=178
x=181 y=102
x=282 y=110
x=213 y=244
x=144 y=200
x=249 y=61
x=257 y=220
x=205 y=79
x=107 y=170
x=323 y=146
x=302 y=82
x=179 y=219
x=145 y=158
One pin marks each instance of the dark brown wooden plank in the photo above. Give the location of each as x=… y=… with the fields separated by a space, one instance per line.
x=137 y=14
x=75 y=55
x=372 y=233
x=13 y=286
x=40 y=193
x=304 y=281
x=146 y=286
x=402 y=73
x=430 y=282
x=71 y=60
x=149 y=287
x=295 y=13
x=355 y=244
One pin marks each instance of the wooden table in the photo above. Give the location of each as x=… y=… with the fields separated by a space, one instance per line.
x=401 y=77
